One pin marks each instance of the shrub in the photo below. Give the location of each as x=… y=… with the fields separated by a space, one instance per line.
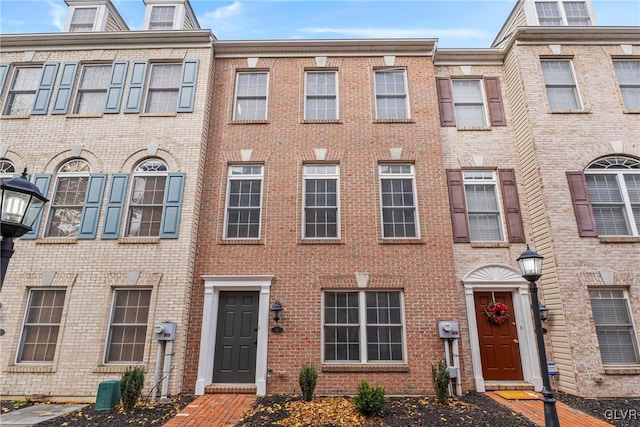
x=441 y=378
x=308 y=378
x=131 y=387
x=369 y=401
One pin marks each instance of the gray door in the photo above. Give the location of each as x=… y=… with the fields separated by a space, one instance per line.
x=236 y=338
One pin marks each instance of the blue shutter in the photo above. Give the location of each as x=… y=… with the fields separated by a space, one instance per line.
x=92 y=205
x=43 y=94
x=65 y=86
x=116 y=86
x=188 y=86
x=42 y=182
x=4 y=70
x=172 y=206
x=136 y=85
x=115 y=205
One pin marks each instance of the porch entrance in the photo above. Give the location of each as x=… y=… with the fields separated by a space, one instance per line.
x=236 y=337
x=499 y=347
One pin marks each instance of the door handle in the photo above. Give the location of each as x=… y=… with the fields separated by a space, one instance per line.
x=516 y=341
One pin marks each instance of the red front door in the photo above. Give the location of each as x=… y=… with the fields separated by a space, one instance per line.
x=499 y=348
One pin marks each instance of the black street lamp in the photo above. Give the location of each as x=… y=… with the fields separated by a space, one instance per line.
x=530 y=263
x=20 y=205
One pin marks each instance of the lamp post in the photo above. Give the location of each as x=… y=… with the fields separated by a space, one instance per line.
x=530 y=263
x=20 y=205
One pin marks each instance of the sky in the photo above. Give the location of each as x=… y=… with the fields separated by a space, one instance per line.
x=456 y=23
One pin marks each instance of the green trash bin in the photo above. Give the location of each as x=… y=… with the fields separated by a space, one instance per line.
x=108 y=395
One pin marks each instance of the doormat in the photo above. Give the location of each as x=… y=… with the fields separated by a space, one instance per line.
x=518 y=395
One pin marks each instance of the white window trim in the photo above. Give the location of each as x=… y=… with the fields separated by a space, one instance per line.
x=483 y=93
x=412 y=175
x=55 y=191
x=226 y=201
x=100 y=22
x=532 y=13
x=149 y=324
x=496 y=182
x=11 y=92
x=178 y=17
x=362 y=324
x=147 y=89
x=406 y=92
x=304 y=195
x=621 y=86
x=266 y=97
x=128 y=205
x=580 y=106
x=78 y=89
x=306 y=95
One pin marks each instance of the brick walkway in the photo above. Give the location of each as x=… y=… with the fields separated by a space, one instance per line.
x=534 y=410
x=213 y=410
x=226 y=410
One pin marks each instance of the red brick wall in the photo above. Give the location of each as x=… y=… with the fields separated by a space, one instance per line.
x=423 y=269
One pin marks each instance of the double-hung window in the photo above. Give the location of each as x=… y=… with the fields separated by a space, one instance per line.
x=147 y=199
x=576 y=13
x=162 y=17
x=251 y=96
x=164 y=86
x=398 y=201
x=628 y=73
x=321 y=195
x=244 y=202
x=614 y=189
x=83 y=19
x=22 y=92
x=483 y=206
x=92 y=89
x=363 y=327
x=614 y=328
x=548 y=13
x=68 y=199
x=559 y=80
x=41 y=325
x=320 y=95
x=128 y=326
x=469 y=103
x=391 y=94
x=572 y=13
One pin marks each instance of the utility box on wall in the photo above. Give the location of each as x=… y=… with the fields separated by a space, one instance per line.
x=165 y=331
x=108 y=395
x=448 y=329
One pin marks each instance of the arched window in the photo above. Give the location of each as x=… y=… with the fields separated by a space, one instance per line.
x=147 y=197
x=68 y=199
x=614 y=190
x=7 y=170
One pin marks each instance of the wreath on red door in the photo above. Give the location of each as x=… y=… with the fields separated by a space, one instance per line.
x=496 y=313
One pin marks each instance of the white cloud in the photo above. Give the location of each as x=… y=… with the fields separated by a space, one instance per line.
x=223 y=19
x=396 y=32
x=58 y=14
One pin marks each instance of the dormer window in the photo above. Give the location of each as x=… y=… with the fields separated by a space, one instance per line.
x=83 y=20
x=162 y=17
x=559 y=13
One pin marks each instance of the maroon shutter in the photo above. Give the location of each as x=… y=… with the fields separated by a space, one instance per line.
x=458 y=206
x=494 y=97
x=582 y=204
x=445 y=100
x=511 y=202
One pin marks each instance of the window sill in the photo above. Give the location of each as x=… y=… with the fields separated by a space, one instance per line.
x=570 y=112
x=620 y=239
x=393 y=121
x=490 y=244
x=34 y=369
x=117 y=369
x=330 y=121
x=83 y=116
x=474 y=128
x=57 y=241
x=401 y=241
x=134 y=240
x=622 y=370
x=370 y=367
x=321 y=242
x=242 y=242
x=249 y=122
x=167 y=114
x=16 y=117
x=625 y=111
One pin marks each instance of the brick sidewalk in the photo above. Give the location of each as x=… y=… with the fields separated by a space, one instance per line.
x=213 y=410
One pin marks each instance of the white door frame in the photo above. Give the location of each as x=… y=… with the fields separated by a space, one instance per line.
x=501 y=278
x=213 y=285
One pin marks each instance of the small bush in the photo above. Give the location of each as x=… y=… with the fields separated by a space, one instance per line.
x=369 y=401
x=131 y=386
x=441 y=380
x=308 y=378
